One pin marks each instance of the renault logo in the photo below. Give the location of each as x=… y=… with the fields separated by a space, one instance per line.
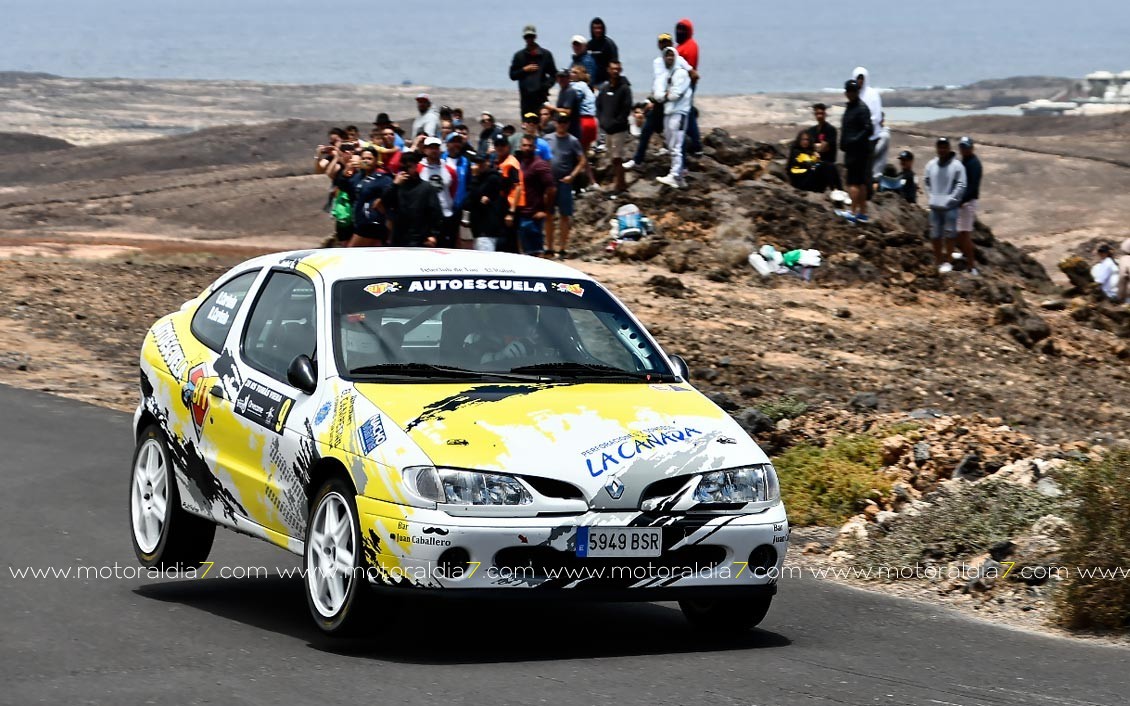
x=615 y=488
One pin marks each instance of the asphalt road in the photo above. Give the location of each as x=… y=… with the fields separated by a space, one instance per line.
x=65 y=465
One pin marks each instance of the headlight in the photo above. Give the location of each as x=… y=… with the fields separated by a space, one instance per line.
x=457 y=487
x=738 y=485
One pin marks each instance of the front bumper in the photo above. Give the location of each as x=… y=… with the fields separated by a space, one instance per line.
x=703 y=555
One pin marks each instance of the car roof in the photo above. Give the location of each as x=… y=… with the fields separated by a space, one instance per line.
x=335 y=264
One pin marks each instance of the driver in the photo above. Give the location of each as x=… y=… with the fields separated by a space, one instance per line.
x=508 y=332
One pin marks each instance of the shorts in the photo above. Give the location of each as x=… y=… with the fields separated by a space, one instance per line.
x=943 y=223
x=372 y=231
x=343 y=231
x=588 y=130
x=966 y=214
x=617 y=144
x=530 y=236
x=857 y=169
x=564 y=205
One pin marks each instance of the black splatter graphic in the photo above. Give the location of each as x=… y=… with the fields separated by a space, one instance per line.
x=228 y=373
x=473 y=396
x=188 y=458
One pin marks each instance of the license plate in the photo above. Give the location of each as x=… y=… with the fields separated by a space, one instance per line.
x=618 y=542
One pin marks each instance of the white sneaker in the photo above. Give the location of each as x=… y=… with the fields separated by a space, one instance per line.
x=956 y=256
x=945 y=268
x=974 y=272
x=630 y=164
x=669 y=181
x=663 y=152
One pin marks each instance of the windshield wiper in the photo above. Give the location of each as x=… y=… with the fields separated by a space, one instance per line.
x=427 y=370
x=573 y=369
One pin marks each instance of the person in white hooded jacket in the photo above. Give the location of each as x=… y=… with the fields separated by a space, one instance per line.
x=673 y=89
x=654 y=121
x=880 y=135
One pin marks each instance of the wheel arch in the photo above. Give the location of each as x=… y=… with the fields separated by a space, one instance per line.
x=144 y=420
x=321 y=471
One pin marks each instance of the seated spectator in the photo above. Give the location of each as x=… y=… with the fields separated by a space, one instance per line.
x=487 y=134
x=804 y=164
x=1105 y=271
x=825 y=138
x=1124 y=273
x=906 y=173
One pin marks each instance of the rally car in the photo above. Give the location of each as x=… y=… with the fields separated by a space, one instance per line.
x=447 y=422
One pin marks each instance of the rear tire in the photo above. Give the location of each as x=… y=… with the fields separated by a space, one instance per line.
x=335 y=581
x=729 y=616
x=165 y=536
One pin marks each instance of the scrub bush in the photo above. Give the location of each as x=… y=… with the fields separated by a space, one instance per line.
x=826 y=485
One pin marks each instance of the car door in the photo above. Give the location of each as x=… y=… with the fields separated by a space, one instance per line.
x=268 y=446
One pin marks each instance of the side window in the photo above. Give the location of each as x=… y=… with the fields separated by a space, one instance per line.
x=282 y=324
x=215 y=316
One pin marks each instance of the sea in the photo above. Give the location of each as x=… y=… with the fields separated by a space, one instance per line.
x=746 y=46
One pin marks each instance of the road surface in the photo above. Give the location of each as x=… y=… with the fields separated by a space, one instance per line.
x=250 y=641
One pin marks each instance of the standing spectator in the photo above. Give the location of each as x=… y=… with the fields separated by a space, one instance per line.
x=547 y=124
x=603 y=50
x=581 y=56
x=510 y=171
x=804 y=163
x=344 y=172
x=444 y=180
x=569 y=101
x=614 y=109
x=533 y=68
x=488 y=131
x=382 y=121
x=457 y=115
x=688 y=50
x=579 y=81
x=535 y=199
x=945 y=185
x=967 y=212
x=369 y=223
x=531 y=125
x=326 y=152
x=654 y=123
x=855 y=140
x=427 y=122
x=825 y=139
x=1124 y=273
x=676 y=101
x=414 y=204
x=388 y=151
x=880 y=135
x=446 y=127
x=568 y=161
x=1105 y=272
x=486 y=204
x=456 y=158
x=353 y=134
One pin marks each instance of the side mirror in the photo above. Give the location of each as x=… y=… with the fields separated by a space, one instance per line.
x=680 y=367
x=301 y=374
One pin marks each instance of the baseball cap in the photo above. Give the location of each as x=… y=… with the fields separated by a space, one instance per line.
x=665 y=37
x=500 y=140
x=942 y=141
x=381 y=119
x=562 y=117
x=487 y=113
x=966 y=141
x=578 y=39
x=906 y=154
x=423 y=96
x=530 y=118
x=562 y=72
x=529 y=30
x=432 y=141
x=452 y=136
x=851 y=85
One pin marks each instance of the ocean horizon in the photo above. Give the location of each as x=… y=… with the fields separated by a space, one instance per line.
x=745 y=47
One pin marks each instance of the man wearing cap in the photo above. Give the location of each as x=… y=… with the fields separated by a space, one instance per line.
x=568 y=161
x=967 y=212
x=855 y=140
x=654 y=122
x=909 y=189
x=569 y=101
x=531 y=125
x=416 y=214
x=443 y=179
x=427 y=122
x=825 y=138
x=382 y=121
x=676 y=97
x=581 y=55
x=880 y=135
x=945 y=186
x=533 y=68
x=488 y=131
x=455 y=156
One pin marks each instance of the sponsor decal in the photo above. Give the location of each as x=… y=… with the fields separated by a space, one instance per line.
x=726 y=440
x=613 y=452
x=615 y=488
x=219 y=315
x=444 y=285
x=436 y=530
x=670 y=388
x=412 y=539
x=195 y=394
x=372 y=434
x=264 y=406
x=170 y=350
x=343 y=417
x=323 y=412
x=379 y=288
x=522 y=538
x=566 y=288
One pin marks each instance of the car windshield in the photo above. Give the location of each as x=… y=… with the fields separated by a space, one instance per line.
x=498 y=327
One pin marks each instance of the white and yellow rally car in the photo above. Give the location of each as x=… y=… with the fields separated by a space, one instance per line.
x=449 y=422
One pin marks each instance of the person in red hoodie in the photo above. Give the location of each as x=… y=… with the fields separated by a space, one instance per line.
x=687 y=47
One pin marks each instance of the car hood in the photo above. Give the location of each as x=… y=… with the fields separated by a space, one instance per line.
x=583 y=434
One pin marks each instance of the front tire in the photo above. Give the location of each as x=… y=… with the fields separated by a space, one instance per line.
x=165 y=536
x=730 y=616
x=337 y=590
